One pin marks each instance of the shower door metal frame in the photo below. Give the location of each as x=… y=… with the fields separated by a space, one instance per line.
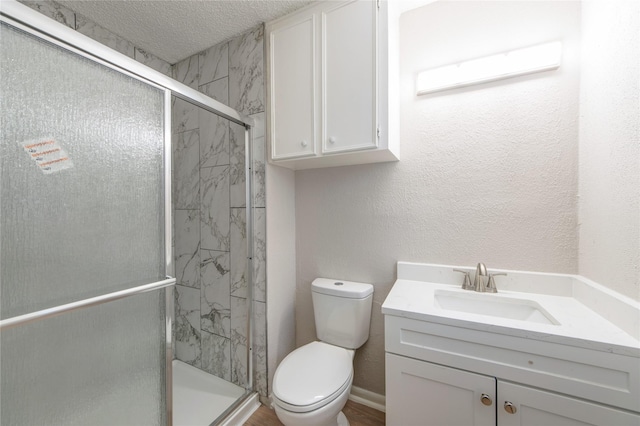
x=38 y=25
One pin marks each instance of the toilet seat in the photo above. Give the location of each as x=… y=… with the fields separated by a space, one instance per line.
x=312 y=376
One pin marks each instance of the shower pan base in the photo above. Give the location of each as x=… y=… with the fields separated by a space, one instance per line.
x=200 y=398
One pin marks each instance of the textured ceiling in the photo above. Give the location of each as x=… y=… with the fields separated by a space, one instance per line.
x=176 y=29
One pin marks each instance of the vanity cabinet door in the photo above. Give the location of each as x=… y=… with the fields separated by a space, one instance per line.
x=349 y=76
x=534 y=407
x=422 y=393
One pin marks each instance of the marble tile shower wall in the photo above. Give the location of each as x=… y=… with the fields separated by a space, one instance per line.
x=89 y=28
x=210 y=212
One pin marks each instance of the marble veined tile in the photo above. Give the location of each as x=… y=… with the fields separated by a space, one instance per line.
x=216 y=355
x=214 y=139
x=187 y=248
x=153 y=61
x=214 y=63
x=246 y=72
x=184 y=115
x=186 y=71
x=238 y=252
x=259 y=255
x=260 y=347
x=186 y=178
x=239 y=341
x=187 y=310
x=237 y=170
x=259 y=160
x=54 y=11
x=259 y=192
x=218 y=90
x=104 y=36
x=214 y=210
x=172 y=270
x=215 y=311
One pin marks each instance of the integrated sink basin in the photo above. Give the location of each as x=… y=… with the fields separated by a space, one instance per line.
x=487 y=304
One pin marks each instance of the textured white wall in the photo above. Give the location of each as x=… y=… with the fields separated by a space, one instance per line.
x=281 y=270
x=487 y=173
x=609 y=161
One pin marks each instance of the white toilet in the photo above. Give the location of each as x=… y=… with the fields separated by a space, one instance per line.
x=312 y=384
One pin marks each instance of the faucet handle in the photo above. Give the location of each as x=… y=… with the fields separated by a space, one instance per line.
x=491 y=285
x=466 y=285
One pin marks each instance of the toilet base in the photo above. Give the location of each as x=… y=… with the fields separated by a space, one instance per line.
x=324 y=416
x=286 y=419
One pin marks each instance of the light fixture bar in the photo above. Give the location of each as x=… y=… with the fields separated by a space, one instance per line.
x=542 y=57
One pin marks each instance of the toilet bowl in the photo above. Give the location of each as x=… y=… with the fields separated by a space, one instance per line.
x=312 y=384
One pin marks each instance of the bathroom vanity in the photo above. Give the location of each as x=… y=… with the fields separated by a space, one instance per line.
x=547 y=349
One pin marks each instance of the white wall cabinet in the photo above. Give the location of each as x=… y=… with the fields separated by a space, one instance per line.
x=294 y=65
x=349 y=96
x=329 y=86
x=436 y=375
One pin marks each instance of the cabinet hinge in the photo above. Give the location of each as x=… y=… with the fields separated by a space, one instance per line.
x=378 y=132
x=378 y=4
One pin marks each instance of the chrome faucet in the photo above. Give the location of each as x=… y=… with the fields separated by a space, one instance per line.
x=478 y=281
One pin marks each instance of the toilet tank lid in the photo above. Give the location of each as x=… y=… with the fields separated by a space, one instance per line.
x=340 y=288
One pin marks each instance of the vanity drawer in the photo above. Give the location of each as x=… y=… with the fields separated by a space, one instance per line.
x=604 y=377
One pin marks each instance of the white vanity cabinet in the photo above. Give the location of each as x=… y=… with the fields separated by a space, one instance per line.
x=328 y=86
x=423 y=393
x=535 y=407
x=445 y=375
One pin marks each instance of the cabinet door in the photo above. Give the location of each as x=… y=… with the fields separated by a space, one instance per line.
x=349 y=76
x=421 y=393
x=293 y=85
x=533 y=407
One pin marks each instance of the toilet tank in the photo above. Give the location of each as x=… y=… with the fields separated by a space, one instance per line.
x=342 y=311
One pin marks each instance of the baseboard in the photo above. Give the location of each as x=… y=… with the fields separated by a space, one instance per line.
x=243 y=412
x=368 y=398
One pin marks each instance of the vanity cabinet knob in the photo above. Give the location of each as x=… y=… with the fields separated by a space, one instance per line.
x=332 y=140
x=486 y=399
x=509 y=407
x=304 y=143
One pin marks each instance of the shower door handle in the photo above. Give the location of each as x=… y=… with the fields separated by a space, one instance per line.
x=94 y=301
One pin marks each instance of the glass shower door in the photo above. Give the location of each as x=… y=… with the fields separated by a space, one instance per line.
x=82 y=216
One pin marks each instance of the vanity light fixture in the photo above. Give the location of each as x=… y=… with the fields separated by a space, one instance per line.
x=542 y=57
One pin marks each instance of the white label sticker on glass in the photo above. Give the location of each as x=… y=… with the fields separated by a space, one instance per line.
x=48 y=155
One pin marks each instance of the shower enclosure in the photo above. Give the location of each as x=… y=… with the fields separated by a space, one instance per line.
x=86 y=258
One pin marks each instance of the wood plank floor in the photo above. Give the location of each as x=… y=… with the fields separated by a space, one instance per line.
x=358 y=415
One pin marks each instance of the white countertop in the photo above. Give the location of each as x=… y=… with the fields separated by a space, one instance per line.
x=579 y=324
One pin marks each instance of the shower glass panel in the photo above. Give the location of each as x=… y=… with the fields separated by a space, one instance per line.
x=82 y=177
x=81 y=216
x=211 y=253
x=97 y=366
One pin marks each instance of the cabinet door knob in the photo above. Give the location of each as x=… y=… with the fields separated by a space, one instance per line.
x=486 y=399
x=332 y=139
x=509 y=407
x=304 y=143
